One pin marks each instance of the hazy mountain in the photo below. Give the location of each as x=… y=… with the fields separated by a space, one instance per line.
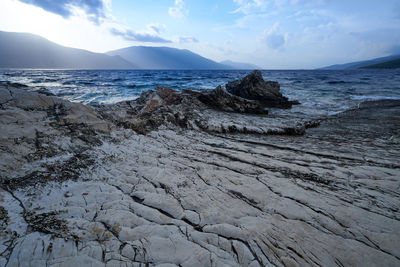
x=24 y=50
x=391 y=64
x=146 y=57
x=361 y=64
x=239 y=65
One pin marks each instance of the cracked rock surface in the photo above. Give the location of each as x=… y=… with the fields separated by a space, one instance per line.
x=167 y=181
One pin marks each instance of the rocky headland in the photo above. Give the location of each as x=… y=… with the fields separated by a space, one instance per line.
x=196 y=179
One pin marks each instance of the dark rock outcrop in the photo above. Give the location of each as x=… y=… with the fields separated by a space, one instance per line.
x=250 y=95
x=211 y=111
x=253 y=87
x=168 y=95
x=220 y=99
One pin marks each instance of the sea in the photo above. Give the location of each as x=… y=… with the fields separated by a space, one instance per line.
x=320 y=92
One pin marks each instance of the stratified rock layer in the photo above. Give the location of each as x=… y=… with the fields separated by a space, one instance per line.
x=166 y=181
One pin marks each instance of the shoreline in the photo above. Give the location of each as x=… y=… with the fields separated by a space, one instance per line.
x=177 y=182
x=319 y=92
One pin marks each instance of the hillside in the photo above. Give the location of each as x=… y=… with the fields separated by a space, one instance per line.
x=146 y=57
x=24 y=50
x=392 y=64
x=361 y=64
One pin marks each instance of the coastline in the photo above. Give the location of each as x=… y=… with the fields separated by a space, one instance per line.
x=183 y=184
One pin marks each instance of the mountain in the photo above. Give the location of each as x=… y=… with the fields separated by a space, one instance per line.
x=147 y=57
x=239 y=65
x=24 y=50
x=391 y=64
x=361 y=64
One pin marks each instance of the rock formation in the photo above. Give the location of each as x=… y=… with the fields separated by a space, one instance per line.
x=165 y=180
x=220 y=99
x=253 y=87
x=199 y=110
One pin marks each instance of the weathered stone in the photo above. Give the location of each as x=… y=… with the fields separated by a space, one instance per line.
x=254 y=87
x=220 y=99
x=238 y=190
x=169 y=96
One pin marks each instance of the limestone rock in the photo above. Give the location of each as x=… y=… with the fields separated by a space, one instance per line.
x=235 y=191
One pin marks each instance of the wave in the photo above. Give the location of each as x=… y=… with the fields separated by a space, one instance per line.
x=45 y=81
x=86 y=83
x=168 y=79
x=70 y=82
x=336 y=82
x=138 y=86
x=116 y=99
x=372 y=97
x=319 y=93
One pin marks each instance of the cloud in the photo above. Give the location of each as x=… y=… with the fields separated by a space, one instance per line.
x=94 y=9
x=250 y=6
x=387 y=40
x=157 y=28
x=178 y=10
x=130 y=35
x=313 y=17
x=274 y=39
x=260 y=6
x=187 y=39
x=381 y=35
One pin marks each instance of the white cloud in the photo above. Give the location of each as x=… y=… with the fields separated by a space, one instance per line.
x=187 y=39
x=260 y=6
x=136 y=36
x=157 y=28
x=274 y=38
x=94 y=9
x=178 y=10
x=250 y=6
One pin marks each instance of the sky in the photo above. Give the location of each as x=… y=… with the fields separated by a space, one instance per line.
x=272 y=34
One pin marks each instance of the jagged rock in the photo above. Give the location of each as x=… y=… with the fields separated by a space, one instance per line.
x=254 y=87
x=169 y=96
x=220 y=99
x=152 y=100
x=212 y=111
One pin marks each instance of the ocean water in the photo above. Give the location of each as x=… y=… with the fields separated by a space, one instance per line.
x=320 y=92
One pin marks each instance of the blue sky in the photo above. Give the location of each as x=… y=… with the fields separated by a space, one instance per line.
x=273 y=34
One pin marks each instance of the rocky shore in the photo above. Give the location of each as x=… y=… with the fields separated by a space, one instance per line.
x=196 y=179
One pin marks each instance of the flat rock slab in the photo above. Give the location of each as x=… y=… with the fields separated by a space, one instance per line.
x=103 y=195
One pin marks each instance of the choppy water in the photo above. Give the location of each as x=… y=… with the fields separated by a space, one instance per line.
x=320 y=92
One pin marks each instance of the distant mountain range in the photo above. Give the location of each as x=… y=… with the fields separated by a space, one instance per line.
x=389 y=62
x=239 y=65
x=24 y=50
x=147 y=57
